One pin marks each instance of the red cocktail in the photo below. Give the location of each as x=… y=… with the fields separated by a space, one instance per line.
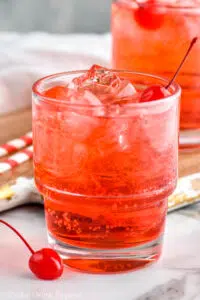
x=152 y=36
x=105 y=164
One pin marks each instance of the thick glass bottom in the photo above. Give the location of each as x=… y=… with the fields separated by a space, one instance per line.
x=107 y=261
x=189 y=139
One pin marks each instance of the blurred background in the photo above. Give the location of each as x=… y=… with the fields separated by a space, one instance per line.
x=55 y=16
x=36 y=40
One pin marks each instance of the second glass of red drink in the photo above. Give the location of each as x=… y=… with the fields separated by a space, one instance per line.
x=152 y=36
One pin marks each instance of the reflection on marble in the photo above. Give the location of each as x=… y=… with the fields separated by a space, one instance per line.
x=174 y=289
x=176 y=276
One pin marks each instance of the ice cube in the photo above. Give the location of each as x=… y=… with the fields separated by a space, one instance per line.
x=91 y=98
x=126 y=94
x=78 y=126
x=96 y=108
x=89 y=77
x=126 y=89
x=98 y=80
x=106 y=85
x=86 y=102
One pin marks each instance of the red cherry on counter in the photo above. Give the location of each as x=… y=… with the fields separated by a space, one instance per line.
x=156 y=92
x=149 y=15
x=45 y=263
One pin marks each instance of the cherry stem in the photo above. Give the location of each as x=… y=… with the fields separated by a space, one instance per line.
x=182 y=62
x=19 y=235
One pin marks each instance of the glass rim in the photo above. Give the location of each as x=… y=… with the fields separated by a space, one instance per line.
x=37 y=93
x=165 y=4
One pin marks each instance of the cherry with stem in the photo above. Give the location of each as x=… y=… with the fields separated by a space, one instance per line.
x=45 y=263
x=156 y=92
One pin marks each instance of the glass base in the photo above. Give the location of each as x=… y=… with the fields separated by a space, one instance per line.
x=189 y=139
x=107 y=261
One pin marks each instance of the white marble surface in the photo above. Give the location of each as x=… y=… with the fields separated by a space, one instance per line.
x=176 y=276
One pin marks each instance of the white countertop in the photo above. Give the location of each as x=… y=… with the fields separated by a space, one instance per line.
x=176 y=276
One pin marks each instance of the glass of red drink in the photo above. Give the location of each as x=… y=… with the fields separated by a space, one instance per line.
x=152 y=36
x=105 y=164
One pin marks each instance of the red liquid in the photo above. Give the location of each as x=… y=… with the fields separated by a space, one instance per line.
x=158 y=48
x=105 y=181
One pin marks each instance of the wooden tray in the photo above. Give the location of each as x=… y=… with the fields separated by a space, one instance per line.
x=18 y=123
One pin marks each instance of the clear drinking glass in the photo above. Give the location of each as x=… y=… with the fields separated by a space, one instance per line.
x=105 y=177
x=152 y=37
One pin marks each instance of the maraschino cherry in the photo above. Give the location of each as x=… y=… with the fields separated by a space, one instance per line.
x=45 y=263
x=156 y=92
x=149 y=15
